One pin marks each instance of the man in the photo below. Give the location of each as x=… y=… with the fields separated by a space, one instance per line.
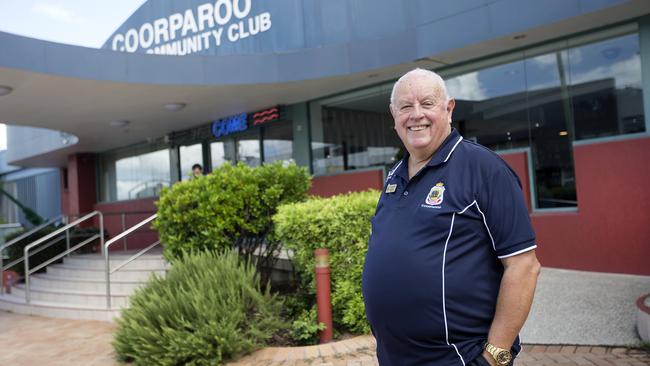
x=197 y=170
x=451 y=269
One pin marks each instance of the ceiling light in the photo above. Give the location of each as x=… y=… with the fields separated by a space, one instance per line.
x=4 y=90
x=173 y=107
x=119 y=123
x=563 y=133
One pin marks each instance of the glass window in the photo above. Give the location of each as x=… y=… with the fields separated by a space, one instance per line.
x=355 y=133
x=549 y=111
x=491 y=106
x=248 y=147
x=606 y=88
x=188 y=156
x=142 y=175
x=217 y=154
x=278 y=142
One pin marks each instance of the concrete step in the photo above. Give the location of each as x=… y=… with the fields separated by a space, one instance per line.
x=146 y=262
x=43 y=280
x=17 y=305
x=61 y=296
x=62 y=270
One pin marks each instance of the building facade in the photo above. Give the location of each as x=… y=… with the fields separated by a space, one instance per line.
x=558 y=88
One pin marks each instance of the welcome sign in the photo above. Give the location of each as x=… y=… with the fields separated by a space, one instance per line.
x=208 y=25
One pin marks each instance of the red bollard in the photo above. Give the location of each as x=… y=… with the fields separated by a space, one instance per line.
x=323 y=300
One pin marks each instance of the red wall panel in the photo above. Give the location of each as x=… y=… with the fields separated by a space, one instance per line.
x=610 y=231
x=134 y=211
x=327 y=186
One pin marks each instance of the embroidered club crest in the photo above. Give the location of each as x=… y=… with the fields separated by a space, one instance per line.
x=436 y=194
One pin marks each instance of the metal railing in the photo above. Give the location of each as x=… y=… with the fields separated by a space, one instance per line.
x=108 y=271
x=69 y=250
x=15 y=240
x=125 y=218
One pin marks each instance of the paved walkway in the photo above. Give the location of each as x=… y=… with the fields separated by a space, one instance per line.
x=576 y=307
x=571 y=307
x=359 y=351
x=29 y=341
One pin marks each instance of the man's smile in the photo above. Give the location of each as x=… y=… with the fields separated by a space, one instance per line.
x=418 y=127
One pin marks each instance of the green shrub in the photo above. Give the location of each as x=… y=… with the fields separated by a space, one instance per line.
x=229 y=205
x=305 y=328
x=207 y=309
x=342 y=225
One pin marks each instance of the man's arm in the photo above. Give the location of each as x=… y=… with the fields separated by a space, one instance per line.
x=514 y=301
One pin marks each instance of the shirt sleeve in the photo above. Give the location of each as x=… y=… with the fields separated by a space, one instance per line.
x=501 y=203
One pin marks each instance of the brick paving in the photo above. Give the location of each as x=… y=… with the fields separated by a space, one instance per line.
x=359 y=351
x=29 y=341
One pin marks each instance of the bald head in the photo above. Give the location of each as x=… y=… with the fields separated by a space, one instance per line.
x=418 y=73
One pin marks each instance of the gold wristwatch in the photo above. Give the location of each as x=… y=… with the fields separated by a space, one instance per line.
x=500 y=355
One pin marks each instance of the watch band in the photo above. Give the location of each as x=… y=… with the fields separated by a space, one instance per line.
x=502 y=356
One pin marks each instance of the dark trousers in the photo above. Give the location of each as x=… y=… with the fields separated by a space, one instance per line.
x=481 y=361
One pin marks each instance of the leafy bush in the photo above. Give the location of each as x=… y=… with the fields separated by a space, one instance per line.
x=17 y=250
x=342 y=225
x=232 y=205
x=207 y=309
x=305 y=329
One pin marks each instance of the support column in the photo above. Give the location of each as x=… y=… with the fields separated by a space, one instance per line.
x=81 y=192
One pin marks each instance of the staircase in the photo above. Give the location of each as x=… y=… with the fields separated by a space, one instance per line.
x=76 y=288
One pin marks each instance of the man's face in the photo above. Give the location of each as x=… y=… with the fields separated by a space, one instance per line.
x=197 y=172
x=422 y=114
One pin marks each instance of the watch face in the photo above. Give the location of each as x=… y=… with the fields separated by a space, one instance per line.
x=503 y=358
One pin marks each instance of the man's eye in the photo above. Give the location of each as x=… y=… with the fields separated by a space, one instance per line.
x=405 y=107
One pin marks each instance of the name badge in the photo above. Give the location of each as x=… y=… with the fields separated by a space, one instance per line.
x=391 y=188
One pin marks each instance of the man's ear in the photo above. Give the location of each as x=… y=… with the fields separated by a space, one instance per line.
x=392 y=110
x=450 y=107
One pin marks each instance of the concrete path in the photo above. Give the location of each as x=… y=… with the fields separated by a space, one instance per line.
x=584 y=308
x=571 y=308
x=359 y=351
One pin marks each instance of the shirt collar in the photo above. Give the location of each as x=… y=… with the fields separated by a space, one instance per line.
x=441 y=155
x=446 y=149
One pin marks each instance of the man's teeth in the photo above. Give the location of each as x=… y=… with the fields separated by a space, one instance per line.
x=418 y=128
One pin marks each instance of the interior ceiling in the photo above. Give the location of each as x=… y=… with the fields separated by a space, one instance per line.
x=85 y=108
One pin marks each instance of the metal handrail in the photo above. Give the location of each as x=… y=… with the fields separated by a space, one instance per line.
x=110 y=242
x=47 y=245
x=16 y=240
x=55 y=233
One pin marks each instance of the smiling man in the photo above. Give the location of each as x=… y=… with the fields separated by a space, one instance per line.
x=451 y=268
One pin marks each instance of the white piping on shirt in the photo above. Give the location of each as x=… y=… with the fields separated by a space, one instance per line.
x=444 y=307
x=453 y=148
x=392 y=171
x=486 y=226
x=518 y=252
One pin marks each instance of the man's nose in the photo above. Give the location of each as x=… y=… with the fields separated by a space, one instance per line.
x=416 y=113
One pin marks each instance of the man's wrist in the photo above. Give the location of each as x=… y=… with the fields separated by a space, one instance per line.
x=497 y=354
x=488 y=357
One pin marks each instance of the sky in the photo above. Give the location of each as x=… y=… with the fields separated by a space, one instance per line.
x=77 y=22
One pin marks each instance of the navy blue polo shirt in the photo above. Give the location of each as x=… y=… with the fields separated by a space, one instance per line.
x=433 y=271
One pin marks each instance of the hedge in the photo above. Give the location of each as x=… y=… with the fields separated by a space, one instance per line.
x=232 y=203
x=342 y=225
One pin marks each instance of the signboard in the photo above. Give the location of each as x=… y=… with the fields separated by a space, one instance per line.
x=229 y=125
x=265 y=116
x=241 y=122
x=208 y=25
